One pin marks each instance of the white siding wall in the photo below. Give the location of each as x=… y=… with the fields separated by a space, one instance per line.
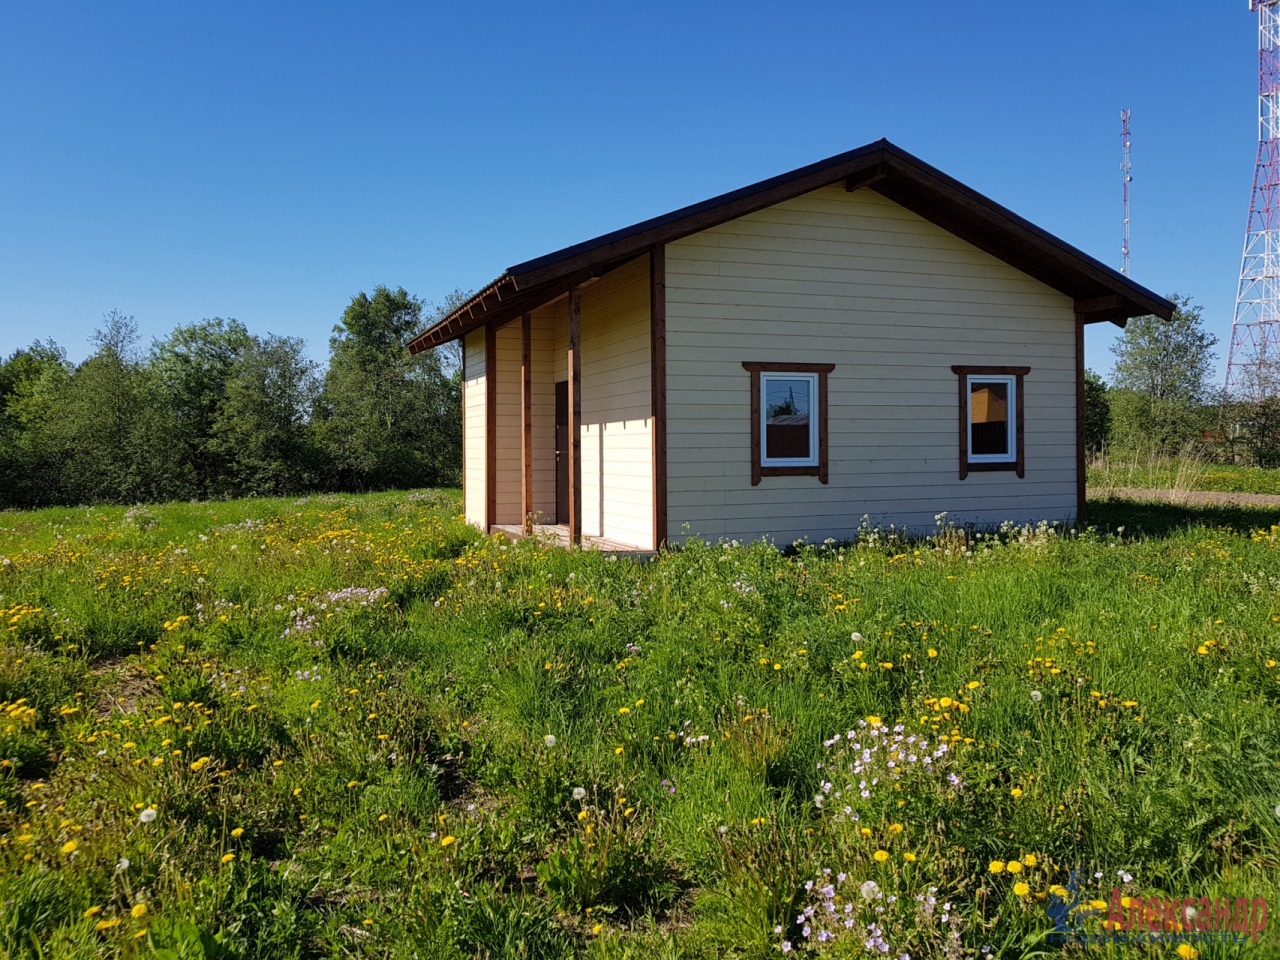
x=507 y=474
x=893 y=301
x=617 y=434
x=473 y=427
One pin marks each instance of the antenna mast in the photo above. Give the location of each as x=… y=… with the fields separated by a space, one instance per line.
x=1126 y=169
x=1252 y=366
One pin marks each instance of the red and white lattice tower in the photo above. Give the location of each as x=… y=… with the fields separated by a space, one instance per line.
x=1253 y=363
x=1126 y=171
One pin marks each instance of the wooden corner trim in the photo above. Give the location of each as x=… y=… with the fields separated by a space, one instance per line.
x=758 y=470
x=1081 y=471
x=1019 y=463
x=658 y=387
x=575 y=415
x=490 y=426
x=526 y=424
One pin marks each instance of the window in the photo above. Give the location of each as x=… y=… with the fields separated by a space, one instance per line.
x=788 y=419
x=990 y=418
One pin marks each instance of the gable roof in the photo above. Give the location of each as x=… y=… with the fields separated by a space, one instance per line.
x=1100 y=292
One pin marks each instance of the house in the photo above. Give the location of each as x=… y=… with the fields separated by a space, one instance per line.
x=862 y=336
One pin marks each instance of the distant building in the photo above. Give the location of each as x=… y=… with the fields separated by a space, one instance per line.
x=864 y=335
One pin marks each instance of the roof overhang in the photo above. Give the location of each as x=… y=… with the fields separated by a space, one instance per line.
x=1100 y=293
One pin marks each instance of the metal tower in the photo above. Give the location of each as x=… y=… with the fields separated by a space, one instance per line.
x=1253 y=363
x=1126 y=169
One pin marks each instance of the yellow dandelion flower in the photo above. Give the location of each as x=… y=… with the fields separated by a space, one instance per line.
x=445 y=841
x=107 y=924
x=139 y=911
x=1013 y=866
x=92 y=912
x=996 y=866
x=880 y=856
x=352 y=784
x=624 y=709
x=973 y=685
x=237 y=832
x=895 y=828
x=909 y=857
x=1015 y=792
x=1021 y=888
x=1187 y=952
x=227 y=858
x=1030 y=860
x=595 y=931
x=617 y=750
x=70 y=846
x=932 y=652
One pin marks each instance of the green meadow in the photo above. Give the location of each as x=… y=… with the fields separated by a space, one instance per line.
x=350 y=726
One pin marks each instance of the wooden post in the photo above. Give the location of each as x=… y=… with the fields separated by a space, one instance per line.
x=490 y=427
x=575 y=415
x=658 y=387
x=526 y=423
x=1081 y=500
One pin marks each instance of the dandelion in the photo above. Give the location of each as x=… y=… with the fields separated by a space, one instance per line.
x=595 y=931
x=70 y=846
x=139 y=911
x=1187 y=952
x=122 y=865
x=973 y=685
x=895 y=828
x=107 y=924
x=549 y=739
x=996 y=866
x=932 y=653
x=1036 y=696
x=148 y=815
x=1021 y=888
x=1016 y=792
x=446 y=841
x=237 y=833
x=880 y=856
x=909 y=857
x=1013 y=866
x=869 y=890
x=226 y=858
x=1030 y=860
x=92 y=912
x=579 y=793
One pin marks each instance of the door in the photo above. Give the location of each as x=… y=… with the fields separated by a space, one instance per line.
x=562 y=451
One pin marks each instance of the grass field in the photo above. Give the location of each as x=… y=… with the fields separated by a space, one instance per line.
x=352 y=727
x=1182 y=473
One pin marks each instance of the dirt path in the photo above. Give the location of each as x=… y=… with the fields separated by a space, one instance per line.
x=1197 y=498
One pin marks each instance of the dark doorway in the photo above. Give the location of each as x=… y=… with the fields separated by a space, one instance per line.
x=562 y=451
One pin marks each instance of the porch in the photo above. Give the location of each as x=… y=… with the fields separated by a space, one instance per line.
x=561 y=410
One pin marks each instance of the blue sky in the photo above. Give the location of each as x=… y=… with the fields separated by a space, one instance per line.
x=267 y=161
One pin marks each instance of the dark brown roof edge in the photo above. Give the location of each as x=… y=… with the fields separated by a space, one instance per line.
x=884 y=167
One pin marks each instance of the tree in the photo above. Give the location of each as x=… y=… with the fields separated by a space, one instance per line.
x=261 y=430
x=29 y=380
x=104 y=433
x=1161 y=376
x=1097 y=413
x=192 y=368
x=386 y=418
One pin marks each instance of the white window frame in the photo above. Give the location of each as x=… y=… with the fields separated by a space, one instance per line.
x=1011 y=442
x=813 y=459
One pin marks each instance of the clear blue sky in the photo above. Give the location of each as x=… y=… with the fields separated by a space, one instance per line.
x=267 y=161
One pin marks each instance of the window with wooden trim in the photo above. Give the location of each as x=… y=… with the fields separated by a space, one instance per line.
x=991 y=418
x=788 y=419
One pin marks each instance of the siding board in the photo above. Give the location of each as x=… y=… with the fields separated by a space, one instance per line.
x=893 y=301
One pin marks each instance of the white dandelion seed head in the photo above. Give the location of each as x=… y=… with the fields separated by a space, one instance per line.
x=579 y=793
x=122 y=865
x=148 y=815
x=549 y=739
x=856 y=637
x=1037 y=696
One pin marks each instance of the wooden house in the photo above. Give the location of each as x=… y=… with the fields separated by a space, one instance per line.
x=862 y=336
